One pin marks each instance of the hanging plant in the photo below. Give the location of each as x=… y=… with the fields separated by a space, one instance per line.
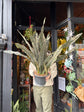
x=69 y=88
x=71 y=77
x=29 y=32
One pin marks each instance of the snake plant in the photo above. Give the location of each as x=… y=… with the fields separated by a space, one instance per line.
x=36 y=52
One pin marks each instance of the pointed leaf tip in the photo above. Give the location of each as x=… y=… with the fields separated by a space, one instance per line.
x=44 y=20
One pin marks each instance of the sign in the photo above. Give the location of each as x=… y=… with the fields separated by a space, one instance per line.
x=61 y=82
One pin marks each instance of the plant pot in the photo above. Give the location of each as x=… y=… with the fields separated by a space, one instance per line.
x=40 y=79
x=26 y=82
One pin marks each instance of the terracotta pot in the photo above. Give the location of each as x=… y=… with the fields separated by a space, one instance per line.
x=26 y=82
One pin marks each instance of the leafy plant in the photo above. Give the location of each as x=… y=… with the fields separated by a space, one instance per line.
x=23 y=105
x=29 y=32
x=36 y=52
x=15 y=107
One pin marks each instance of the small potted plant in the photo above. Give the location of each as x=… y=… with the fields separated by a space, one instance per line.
x=36 y=52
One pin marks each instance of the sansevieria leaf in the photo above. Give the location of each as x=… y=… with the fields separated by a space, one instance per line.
x=37 y=48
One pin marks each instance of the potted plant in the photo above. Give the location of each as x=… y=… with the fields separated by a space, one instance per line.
x=23 y=103
x=36 y=52
x=15 y=107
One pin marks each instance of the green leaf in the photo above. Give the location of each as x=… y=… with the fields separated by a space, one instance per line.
x=16 y=53
x=26 y=41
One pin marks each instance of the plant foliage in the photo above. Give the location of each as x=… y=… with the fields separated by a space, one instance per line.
x=36 y=52
x=15 y=107
x=23 y=105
